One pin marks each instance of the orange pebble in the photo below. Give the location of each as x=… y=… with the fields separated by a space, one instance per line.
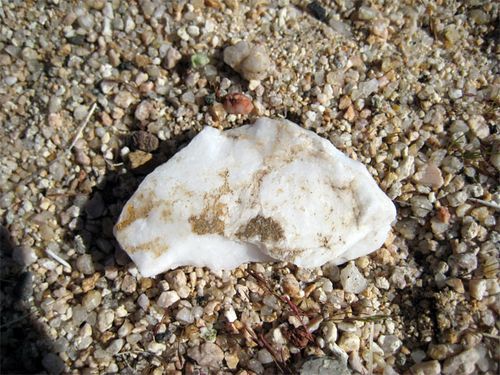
x=444 y=215
x=238 y=104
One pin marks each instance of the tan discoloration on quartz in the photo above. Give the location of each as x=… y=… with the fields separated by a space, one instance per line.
x=133 y=213
x=156 y=246
x=286 y=254
x=211 y=220
x=265 y=228
x=166 y=212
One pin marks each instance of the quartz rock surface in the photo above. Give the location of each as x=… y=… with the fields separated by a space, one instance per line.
x=262 y=192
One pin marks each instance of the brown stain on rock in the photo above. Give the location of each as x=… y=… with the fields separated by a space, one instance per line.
x=133 y=213
x=156 y=246
x=265 y=228
x=286 y=254
x=146 y=202
x=166 y=212
x=211 y=218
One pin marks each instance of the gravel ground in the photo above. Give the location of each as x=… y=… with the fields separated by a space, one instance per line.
x=96 y=94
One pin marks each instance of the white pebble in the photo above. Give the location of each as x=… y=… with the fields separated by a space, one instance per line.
x=230 y=314
x=143 y=301
x=167 y=299
x=352 y=280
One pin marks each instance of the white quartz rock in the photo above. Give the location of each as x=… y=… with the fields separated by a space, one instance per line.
x=261 y=192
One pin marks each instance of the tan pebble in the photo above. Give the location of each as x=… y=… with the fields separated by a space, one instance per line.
x=232 y=360
x=146 y=283
x=350 y=114
x=456 y=284
x=89 y=282
x=55 y=120
x=216 y=4
x=139 y=158
x=292 y=287
x=106 y=119
x=142 y=60
x=345 y=102
x=217 y=112
x=362 y=262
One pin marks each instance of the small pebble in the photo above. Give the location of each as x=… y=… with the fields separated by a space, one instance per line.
x=172 y=58
x=125 y=329
x=105 y=320
x=463 y=363
x=349 y=342
x=430 y=176
x=167 y=299
x=426 y=368
x=91 y=300
x=184 y=316
x=85 y=265
x=143 y=301
x=138 y=158
x=144 y=141
x=124 y=99
x=143 y=110
x=237 y=103
x=252 y=62
x=115 y=346
x=291 y=286
x=325 y=366
x=207 y=354
x=330 y=332
x=352 y=280
x=389 y=344
x=129 y=284
x=156 y=347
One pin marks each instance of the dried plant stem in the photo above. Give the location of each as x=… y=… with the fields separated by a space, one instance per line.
x=82 y=126
x=486 y=203
x=57 y=258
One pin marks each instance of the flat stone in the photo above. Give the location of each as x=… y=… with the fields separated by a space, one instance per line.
x=207 y=354
x=325 y=366
x=138 y=158
x=261 y=192
x=463 y=363
x=430 y=175
x=167 y=299
x=426 y=368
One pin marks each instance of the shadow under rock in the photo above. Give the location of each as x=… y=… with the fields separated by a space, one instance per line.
x=24 y=347
x=94 y=230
